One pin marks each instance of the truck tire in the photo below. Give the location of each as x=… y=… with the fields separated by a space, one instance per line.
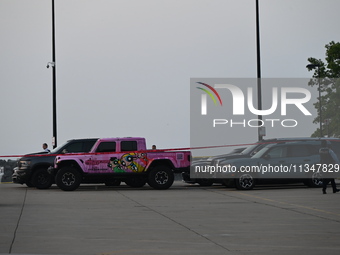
x=161 y=177
x=41 y=179
x=68 y=178
x=315 y=180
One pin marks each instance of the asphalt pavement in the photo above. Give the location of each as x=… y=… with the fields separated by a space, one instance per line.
x=185 y=219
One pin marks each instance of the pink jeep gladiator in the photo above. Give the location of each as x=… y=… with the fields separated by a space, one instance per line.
x=112 y=160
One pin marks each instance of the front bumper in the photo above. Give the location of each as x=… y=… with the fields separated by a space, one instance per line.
x=19 y=176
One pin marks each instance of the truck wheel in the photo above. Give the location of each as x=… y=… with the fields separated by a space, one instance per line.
x=315 y=180
x=245 y=182
x=135 y=182
x=161 y=177
x=68 y=178
x=41 y=179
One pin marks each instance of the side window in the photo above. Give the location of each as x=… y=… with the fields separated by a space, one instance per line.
x=128 y=145
x=299 y=151
x=335 y=146
x=314 y=149
x=88 y=145
x=73 y=147
x=278 y=152
x=106 y=147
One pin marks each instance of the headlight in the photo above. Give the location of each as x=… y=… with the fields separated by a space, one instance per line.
x=24 y=163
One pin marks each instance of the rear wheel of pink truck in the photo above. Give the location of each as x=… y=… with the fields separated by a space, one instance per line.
x=161 y=177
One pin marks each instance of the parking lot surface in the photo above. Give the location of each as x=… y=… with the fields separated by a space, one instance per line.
x=185 y=219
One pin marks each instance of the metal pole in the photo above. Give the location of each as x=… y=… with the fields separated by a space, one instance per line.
x=54 y=99
x=259 y=93
x=320 y=113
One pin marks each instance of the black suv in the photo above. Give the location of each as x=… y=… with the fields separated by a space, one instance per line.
x=295 y=161
x=244 y=153
x=32 y=168
x=247 y=153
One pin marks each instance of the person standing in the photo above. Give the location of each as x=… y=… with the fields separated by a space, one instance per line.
x=328 y=158
x=45 y=147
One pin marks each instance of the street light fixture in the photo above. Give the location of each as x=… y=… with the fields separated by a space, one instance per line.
x=313 y=66
x=53 y=66
x=258 y=57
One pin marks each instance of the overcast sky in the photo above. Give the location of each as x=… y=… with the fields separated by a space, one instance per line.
x=124 y=66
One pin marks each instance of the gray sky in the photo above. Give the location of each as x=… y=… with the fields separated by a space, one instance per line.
x=124 y=67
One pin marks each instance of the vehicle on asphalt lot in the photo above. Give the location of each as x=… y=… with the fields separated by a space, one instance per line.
x=1 y=172
x=112 y=160
x=291 y=161
x=245 y=153
x=32 y=168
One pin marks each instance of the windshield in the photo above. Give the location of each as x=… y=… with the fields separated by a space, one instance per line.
x=249 y=149
x=56 y=150
x=261 y=152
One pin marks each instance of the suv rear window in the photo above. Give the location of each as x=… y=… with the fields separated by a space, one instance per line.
x=106 y=147
x=128 y=146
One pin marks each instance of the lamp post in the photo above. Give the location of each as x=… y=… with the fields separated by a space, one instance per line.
x=312 y=66
x=259 y=93
x=53 y=66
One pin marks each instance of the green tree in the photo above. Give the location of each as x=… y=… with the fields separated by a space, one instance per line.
x=326 y=75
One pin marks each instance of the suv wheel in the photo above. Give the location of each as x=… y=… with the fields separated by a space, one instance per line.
x=315 y=181
x=41 y=179
x=68 y=178
x=245 y=182
x=161 y=177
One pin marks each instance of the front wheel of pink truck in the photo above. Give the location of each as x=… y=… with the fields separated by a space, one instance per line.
x=68 y=178
x=161 y=177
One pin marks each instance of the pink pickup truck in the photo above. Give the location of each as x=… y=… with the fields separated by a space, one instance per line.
x=112 y=160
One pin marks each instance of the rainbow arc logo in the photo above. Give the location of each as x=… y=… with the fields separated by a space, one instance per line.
x=213 y=95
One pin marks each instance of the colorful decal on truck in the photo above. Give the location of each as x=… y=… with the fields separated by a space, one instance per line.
x=129 y=162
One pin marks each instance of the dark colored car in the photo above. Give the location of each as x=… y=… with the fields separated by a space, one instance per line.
x=246 y=153
x=32 y=168
x=211 y=161
x=291 y=161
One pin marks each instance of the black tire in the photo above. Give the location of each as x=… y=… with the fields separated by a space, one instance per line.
x=245 y=182
x=68 y=178
x=41 y=179
x=113 y=183
x=161 y=177
x=205 y=182
x=315 y=181
x=135 y=182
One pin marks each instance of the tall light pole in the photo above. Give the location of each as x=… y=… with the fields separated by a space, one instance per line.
x=259 y=92
x=312 y=66
x=53 y=66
